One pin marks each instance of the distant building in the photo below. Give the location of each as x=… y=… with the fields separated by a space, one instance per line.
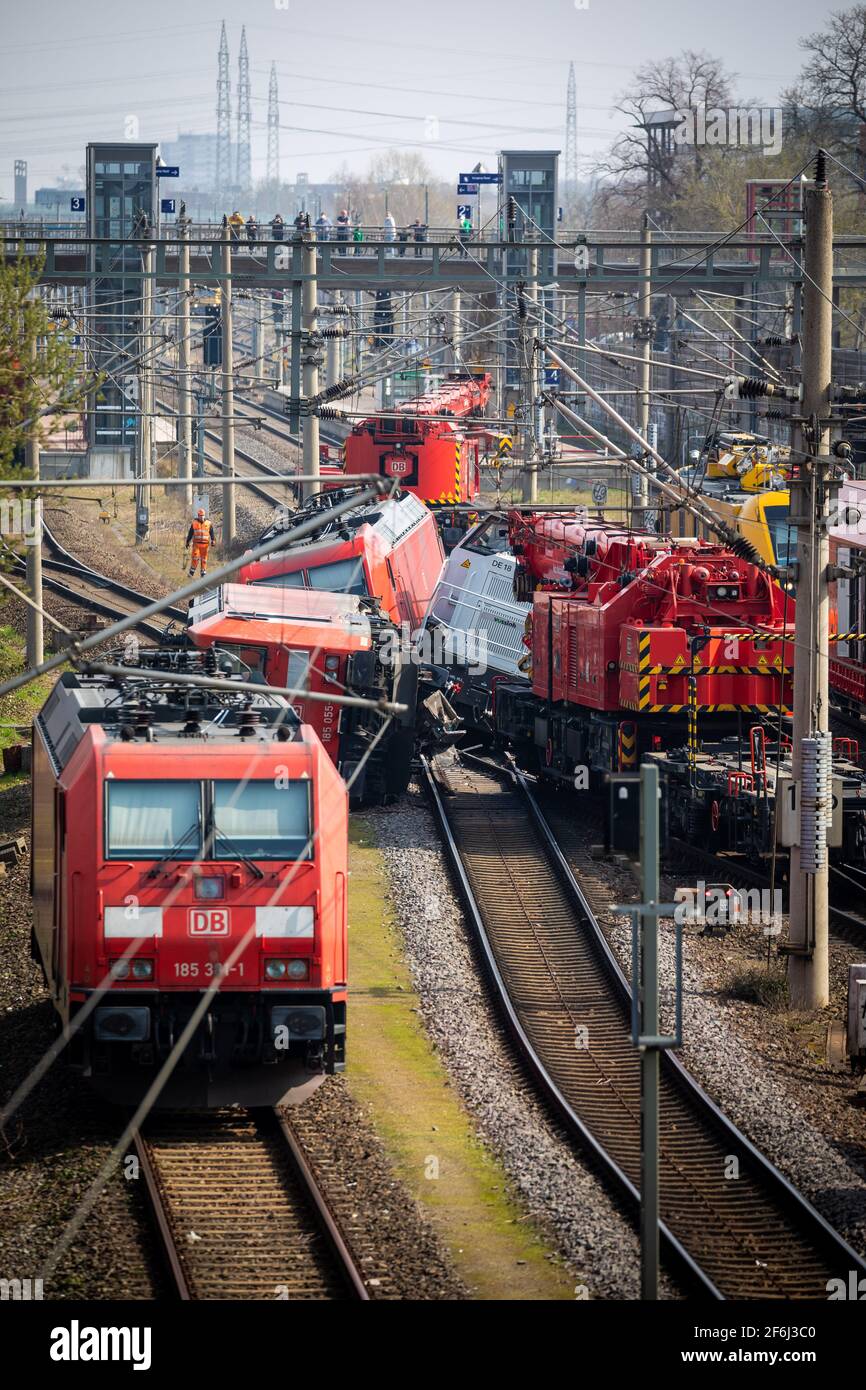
x=58 y=200
x=195 y=153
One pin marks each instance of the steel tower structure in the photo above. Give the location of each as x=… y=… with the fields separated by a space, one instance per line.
x=245 y=172
x=273 y=161
x=570 y=179
x=222 y=172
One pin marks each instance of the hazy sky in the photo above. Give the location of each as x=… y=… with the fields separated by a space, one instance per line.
x=456 y=80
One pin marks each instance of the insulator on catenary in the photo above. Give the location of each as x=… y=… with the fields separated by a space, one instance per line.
x=336 y=332
x=751 y=388
x=331 y=412
x=816 y=801
x=744 y=550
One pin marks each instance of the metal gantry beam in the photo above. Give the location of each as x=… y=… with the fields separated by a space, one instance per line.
x=684 y=261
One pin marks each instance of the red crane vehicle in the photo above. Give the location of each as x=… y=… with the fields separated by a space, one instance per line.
x=644 y=646
x=322 y=644
x=431 y=445
x=189 y=856
x=628 y=628
x=387 y=550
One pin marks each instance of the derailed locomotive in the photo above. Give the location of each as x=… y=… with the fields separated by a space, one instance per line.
x=388 y=550
x=318 y=645
x=189 y=880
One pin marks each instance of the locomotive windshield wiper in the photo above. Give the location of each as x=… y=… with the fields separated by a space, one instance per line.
x=173 y=850
x=238 y=853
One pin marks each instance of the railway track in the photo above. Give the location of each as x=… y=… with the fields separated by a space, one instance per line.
x=70 y=578
x=847 y=885
x=239 y=1211
x=553 y=974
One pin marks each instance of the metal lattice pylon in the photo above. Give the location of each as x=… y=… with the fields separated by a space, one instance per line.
x=222 y=173
x=571 y=134
x=245 y=163
x=273 y=161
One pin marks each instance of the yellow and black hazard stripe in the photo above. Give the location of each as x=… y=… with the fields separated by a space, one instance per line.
x=692 y=721
x=709 y=709
x=768 y=669
x=458 y=453
x=644 y=670
x=627 y=740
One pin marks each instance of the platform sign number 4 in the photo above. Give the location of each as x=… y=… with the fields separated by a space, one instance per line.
x=208 y=921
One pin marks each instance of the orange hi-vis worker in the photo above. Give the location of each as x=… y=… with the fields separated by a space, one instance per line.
x=201 y=537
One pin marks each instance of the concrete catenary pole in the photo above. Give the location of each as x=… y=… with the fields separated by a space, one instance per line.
x=35 y=629
x=808 y=960
x=184 y=395
x=310 y=357
x=642 y=499
x=228 y=393
x=529 y=327
x=145 y=392
x=456 y=330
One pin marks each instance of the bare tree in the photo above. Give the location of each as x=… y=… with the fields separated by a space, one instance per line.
x=829 y=97
x=834 y=77
x=686 y=82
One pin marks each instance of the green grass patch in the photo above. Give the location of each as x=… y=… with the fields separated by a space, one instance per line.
x=758 y=985
x=20 y=706
x=430 y=1138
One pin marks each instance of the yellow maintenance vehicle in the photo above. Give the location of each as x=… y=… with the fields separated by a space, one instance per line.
x=746 y=484
x=749 y=461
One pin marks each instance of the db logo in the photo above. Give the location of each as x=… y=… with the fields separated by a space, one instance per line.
x=208 y=921
x=396 y=467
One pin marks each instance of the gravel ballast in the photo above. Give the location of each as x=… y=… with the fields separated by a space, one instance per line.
x=558 y=1189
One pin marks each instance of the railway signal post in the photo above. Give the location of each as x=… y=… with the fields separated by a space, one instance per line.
x=808 y=945
x=645 y=1016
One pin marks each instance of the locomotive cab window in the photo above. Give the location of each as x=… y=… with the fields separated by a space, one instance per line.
x=782 y=534
x=261 y=820
x=341 y=577
x=153 y=819
x=489 y=539
x=293 y=580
